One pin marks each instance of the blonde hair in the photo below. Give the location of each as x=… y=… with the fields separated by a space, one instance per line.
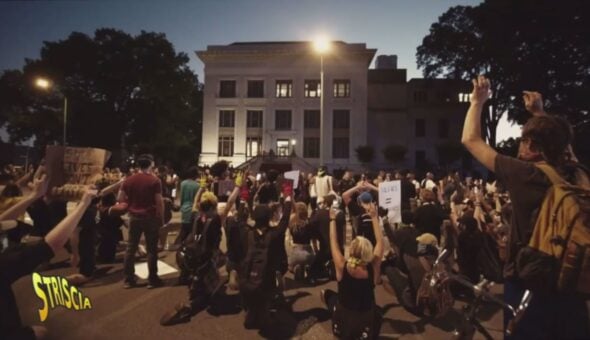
x=362 y=249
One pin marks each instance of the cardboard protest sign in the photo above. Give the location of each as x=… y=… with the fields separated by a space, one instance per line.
x=71 y=169
x=390 y=198
x=294 y=176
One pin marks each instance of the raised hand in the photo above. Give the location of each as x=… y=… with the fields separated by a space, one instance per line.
x=481 y=90
x=239 y=180
x=533 y=102
x=40 y=186
x=203 y=181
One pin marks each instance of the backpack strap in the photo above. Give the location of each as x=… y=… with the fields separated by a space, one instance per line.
x=551 y=173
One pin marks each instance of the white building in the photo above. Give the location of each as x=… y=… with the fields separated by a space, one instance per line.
x=265 y=96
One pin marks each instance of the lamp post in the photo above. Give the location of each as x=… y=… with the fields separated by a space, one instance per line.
x=322 y=46
x=46 y=84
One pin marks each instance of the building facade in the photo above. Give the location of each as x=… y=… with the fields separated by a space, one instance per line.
x=262 y=98
x=424 y=116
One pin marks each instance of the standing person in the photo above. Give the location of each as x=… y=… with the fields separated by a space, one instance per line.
x=544 y=139
x=320 y=225
x=313 y=193
x=324 y=184
x=355 y=314
x=143 y=194
x=188 y=191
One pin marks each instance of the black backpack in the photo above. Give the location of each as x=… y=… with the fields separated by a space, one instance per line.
x=194 y=252
x=254 y=269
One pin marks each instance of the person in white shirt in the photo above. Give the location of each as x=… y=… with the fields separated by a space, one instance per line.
x=323 y=184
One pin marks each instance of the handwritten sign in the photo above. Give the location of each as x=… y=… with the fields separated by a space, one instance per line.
x=390 y=198
x=71 y=169
x=294 y=176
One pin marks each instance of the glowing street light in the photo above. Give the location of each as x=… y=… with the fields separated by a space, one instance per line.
x=42 y=83
x=322 y=45
x=46 y=84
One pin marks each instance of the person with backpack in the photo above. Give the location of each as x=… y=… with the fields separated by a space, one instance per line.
x=198 y=258
x=257 y=277
x=544 y=159
x=355 y=314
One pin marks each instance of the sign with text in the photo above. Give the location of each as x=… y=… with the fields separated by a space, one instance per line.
x=294 y=176
x=71 y=169
x=390 y=198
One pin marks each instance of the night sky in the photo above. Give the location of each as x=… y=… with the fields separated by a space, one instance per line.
x=390 y=26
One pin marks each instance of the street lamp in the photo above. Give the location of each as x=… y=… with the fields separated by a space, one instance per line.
x=46 y=84
x=322 y=46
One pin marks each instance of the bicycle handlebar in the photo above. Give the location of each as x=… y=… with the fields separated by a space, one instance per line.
x=482 y=289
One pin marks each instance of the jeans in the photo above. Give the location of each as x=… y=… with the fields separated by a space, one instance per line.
x=555 y=316
x=137 y=225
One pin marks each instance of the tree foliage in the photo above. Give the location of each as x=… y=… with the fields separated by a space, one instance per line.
x=394 y=153
x=365 y=153
x=539 y=45
x=449 y=152
x=124 y=92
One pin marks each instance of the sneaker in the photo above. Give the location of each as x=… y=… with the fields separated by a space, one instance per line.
x=129 y=284
x=180 y=314
x=155 y=283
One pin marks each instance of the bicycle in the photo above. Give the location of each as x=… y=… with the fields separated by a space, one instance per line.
x=469 y=323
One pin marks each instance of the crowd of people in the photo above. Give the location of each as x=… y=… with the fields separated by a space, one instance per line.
x=272 y=227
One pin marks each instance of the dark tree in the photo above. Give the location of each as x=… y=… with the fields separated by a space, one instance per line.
x=449 y=152
x=509 y=147
x=124 y=93
x=539 y=45
x=365 y=153
x=394 y=153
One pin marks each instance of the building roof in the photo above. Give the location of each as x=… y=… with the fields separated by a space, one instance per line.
x=387 y=76
x=258 y=48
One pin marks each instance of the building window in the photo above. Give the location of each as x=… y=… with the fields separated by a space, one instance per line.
x=420 y=128
x=226 y=146
x=253 y=146
x=311 y=119
x=420 y=97
x=464 y=97
x=226 y=118
x=341 y=119
x=443 y=128
x=283 y=120
x=340 y=147
x=311 y=147
x=312 y=89
x=284 y=88
x=227 y=89
x=341 y=88
x=255 y=88
x=254 y=119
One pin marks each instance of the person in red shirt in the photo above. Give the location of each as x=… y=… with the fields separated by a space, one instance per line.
x=142 y=192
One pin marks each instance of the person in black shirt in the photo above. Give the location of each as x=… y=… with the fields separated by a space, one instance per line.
x=353 y=308
x=23 y=260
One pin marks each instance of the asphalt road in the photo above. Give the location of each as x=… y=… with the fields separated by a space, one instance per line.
x=119 y=313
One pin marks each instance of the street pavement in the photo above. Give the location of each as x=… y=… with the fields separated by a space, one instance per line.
x=119 y=313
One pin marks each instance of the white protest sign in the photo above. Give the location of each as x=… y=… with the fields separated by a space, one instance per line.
x=293 y=175
x=390 y=198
